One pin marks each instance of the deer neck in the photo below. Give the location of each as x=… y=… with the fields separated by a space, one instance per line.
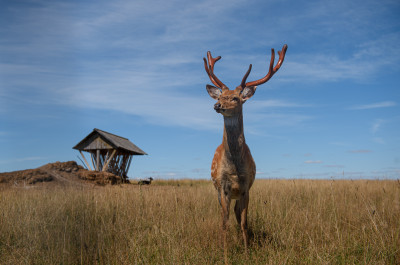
x=233 y=140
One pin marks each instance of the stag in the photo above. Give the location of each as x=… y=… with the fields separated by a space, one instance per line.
x=233 y=169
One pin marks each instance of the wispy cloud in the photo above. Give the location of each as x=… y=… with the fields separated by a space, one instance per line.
x=276 y=119
x=144 y=58
x=313 y=162
x=151 y=65
x=377 y=125
x=366 y=58
x=379 y=140
x=360 y=151
x=274 y=103
x=353 y=174
x=314 y=175
x=334 y=166
x=394 y=172
x=383 y=104
x=360 y=66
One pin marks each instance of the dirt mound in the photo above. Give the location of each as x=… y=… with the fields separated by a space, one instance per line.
x=61 y=173
x=101 y=178
x=29 y=176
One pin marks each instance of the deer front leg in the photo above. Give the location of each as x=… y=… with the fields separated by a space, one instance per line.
x=241 y=207
x=225 y=205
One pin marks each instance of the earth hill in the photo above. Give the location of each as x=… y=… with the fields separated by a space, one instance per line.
x=58 y=174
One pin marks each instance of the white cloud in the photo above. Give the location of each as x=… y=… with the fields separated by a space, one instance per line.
x=159 y=107
x=361 y=64
x=377 y=125
x=275 y=119
x=382 y=104
x=145 y=57
x=273 y=103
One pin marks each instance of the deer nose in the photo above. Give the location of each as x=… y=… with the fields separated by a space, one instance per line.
x=217 y=106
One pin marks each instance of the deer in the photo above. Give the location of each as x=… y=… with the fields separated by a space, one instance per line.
x=233 y=168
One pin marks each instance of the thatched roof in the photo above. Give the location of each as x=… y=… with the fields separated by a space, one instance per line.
x=99 y=139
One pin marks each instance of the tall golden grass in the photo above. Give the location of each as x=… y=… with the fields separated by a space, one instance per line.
x=178 y=222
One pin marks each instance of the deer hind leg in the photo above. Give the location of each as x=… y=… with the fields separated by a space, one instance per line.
x=241 y=216
x=225 y=202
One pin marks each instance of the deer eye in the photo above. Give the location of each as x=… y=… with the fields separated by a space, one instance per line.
x=235 y=99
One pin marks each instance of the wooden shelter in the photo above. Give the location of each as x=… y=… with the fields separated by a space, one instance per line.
x=109 y=152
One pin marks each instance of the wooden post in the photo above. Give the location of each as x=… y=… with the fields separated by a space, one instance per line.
x=87 y=164
x=106 y=158
x=97 y=159
x=93 y=163
x=109 y=160
x=129 y=163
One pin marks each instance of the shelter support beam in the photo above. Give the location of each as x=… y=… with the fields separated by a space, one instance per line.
x=97 y=159
x=129 y=164
x=109 y=160
x=87 y=164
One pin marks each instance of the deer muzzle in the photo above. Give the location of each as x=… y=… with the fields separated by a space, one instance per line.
x=218 y=108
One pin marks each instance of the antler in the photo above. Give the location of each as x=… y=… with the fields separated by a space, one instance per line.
x=210 y=71
x=272 y=69
x=243 y=84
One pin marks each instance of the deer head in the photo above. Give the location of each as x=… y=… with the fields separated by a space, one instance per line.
x=229 y=102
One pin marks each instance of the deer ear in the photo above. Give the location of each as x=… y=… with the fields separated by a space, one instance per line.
x=248 y=92
x=214 y=92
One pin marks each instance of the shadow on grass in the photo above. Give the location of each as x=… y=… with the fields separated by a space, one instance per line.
x=262 y=238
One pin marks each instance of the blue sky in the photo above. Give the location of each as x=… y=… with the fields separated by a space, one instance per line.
x=135 y=68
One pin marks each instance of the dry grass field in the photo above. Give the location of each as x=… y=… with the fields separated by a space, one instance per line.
x=178 y=222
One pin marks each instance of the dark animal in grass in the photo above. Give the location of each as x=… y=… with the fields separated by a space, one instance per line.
x=145 y=181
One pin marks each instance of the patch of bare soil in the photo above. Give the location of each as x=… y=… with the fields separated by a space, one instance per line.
x=59 y=174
